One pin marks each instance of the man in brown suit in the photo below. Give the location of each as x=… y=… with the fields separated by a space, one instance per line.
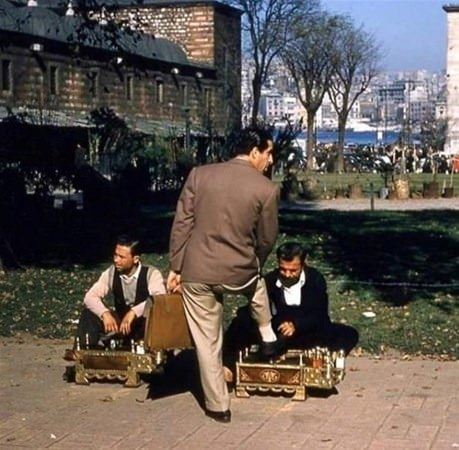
x=224 y=229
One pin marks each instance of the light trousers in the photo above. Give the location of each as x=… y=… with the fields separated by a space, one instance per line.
x=204 y=312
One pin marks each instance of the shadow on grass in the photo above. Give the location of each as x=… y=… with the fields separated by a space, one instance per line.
x=398 y=253
x=52 y=237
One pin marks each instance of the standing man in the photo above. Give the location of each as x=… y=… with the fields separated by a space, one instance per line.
x=224 y=229
x=131 y=284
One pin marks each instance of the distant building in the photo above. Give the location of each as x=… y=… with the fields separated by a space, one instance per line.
x=278 y=107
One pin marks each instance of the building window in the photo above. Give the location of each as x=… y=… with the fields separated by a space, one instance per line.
x=53 y=80
x=184 y=94
x=208 y=98
x=93 y=77
x=159 y=91
x=6 y=75
x=129 y=87
x=225 y=64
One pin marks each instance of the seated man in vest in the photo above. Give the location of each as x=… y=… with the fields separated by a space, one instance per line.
x=299 y=306
x=131 y=285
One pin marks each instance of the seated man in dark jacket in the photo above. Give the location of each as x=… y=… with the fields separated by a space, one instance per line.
x=299 y=305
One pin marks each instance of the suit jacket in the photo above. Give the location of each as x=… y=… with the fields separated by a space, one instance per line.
x=311 y=315
x=225 y=224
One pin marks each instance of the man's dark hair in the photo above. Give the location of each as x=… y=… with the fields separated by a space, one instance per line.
x=290 y=251
x=252 y=137
x=128 y=241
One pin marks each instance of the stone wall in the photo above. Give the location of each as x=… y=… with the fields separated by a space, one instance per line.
x=210 y=34
x=30 y=87
x=452 y=84
x=190 y=27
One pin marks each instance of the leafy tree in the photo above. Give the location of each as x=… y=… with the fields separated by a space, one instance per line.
x=266 y=27
x=96 y=24
x=286 y=150
x=433 y=133
x=354 y=60
x=289 y=157
x=112 y=144
x=167 y=162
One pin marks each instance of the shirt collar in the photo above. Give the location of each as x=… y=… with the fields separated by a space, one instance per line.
x=300 y=282
x=292 y=294
x=134 y=276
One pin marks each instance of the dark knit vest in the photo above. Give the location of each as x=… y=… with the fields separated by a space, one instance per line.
x=141 y=292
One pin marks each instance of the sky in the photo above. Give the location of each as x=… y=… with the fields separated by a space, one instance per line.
x=412 y=33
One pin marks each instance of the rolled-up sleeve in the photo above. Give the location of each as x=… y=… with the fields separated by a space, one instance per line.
x=94 y=298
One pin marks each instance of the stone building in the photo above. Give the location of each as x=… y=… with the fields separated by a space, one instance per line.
x=452 y=82
x=164 y=65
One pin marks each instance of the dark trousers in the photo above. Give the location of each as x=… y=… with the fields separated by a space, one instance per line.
x=243 y=332
x=91 y=329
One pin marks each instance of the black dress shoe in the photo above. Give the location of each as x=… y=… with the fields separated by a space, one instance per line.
x=219 y=416
x=269 y=350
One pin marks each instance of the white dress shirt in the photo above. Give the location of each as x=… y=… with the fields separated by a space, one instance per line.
x=292 y=294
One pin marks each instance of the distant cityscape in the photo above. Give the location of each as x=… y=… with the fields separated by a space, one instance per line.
x=393 y=101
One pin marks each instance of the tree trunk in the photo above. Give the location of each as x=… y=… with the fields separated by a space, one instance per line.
x=8 y=259
x=339 y=167
x=310 y=143
x=256 y=88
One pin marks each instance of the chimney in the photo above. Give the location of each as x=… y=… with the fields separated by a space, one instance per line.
x=70 y=11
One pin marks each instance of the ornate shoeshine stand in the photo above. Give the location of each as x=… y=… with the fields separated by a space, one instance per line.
x=165 y=330
x=116 y=364
x=292 y=373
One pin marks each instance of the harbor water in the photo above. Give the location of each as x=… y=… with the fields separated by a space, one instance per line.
x=353 y=137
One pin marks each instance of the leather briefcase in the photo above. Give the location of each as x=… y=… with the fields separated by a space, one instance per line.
x=166 y=326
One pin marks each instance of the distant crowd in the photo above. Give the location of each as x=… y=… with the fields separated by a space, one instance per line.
x=373 y=159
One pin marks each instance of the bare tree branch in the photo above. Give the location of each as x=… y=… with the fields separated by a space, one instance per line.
x=355 y=65
x=267 y=25
x=309 y=59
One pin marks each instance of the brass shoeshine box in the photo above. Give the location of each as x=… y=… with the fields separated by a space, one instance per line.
x=292 y=373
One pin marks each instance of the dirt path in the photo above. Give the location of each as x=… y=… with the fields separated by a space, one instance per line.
x=378 y=204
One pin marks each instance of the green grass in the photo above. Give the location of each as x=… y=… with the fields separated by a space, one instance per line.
x=402 y=266
x=327 y=183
